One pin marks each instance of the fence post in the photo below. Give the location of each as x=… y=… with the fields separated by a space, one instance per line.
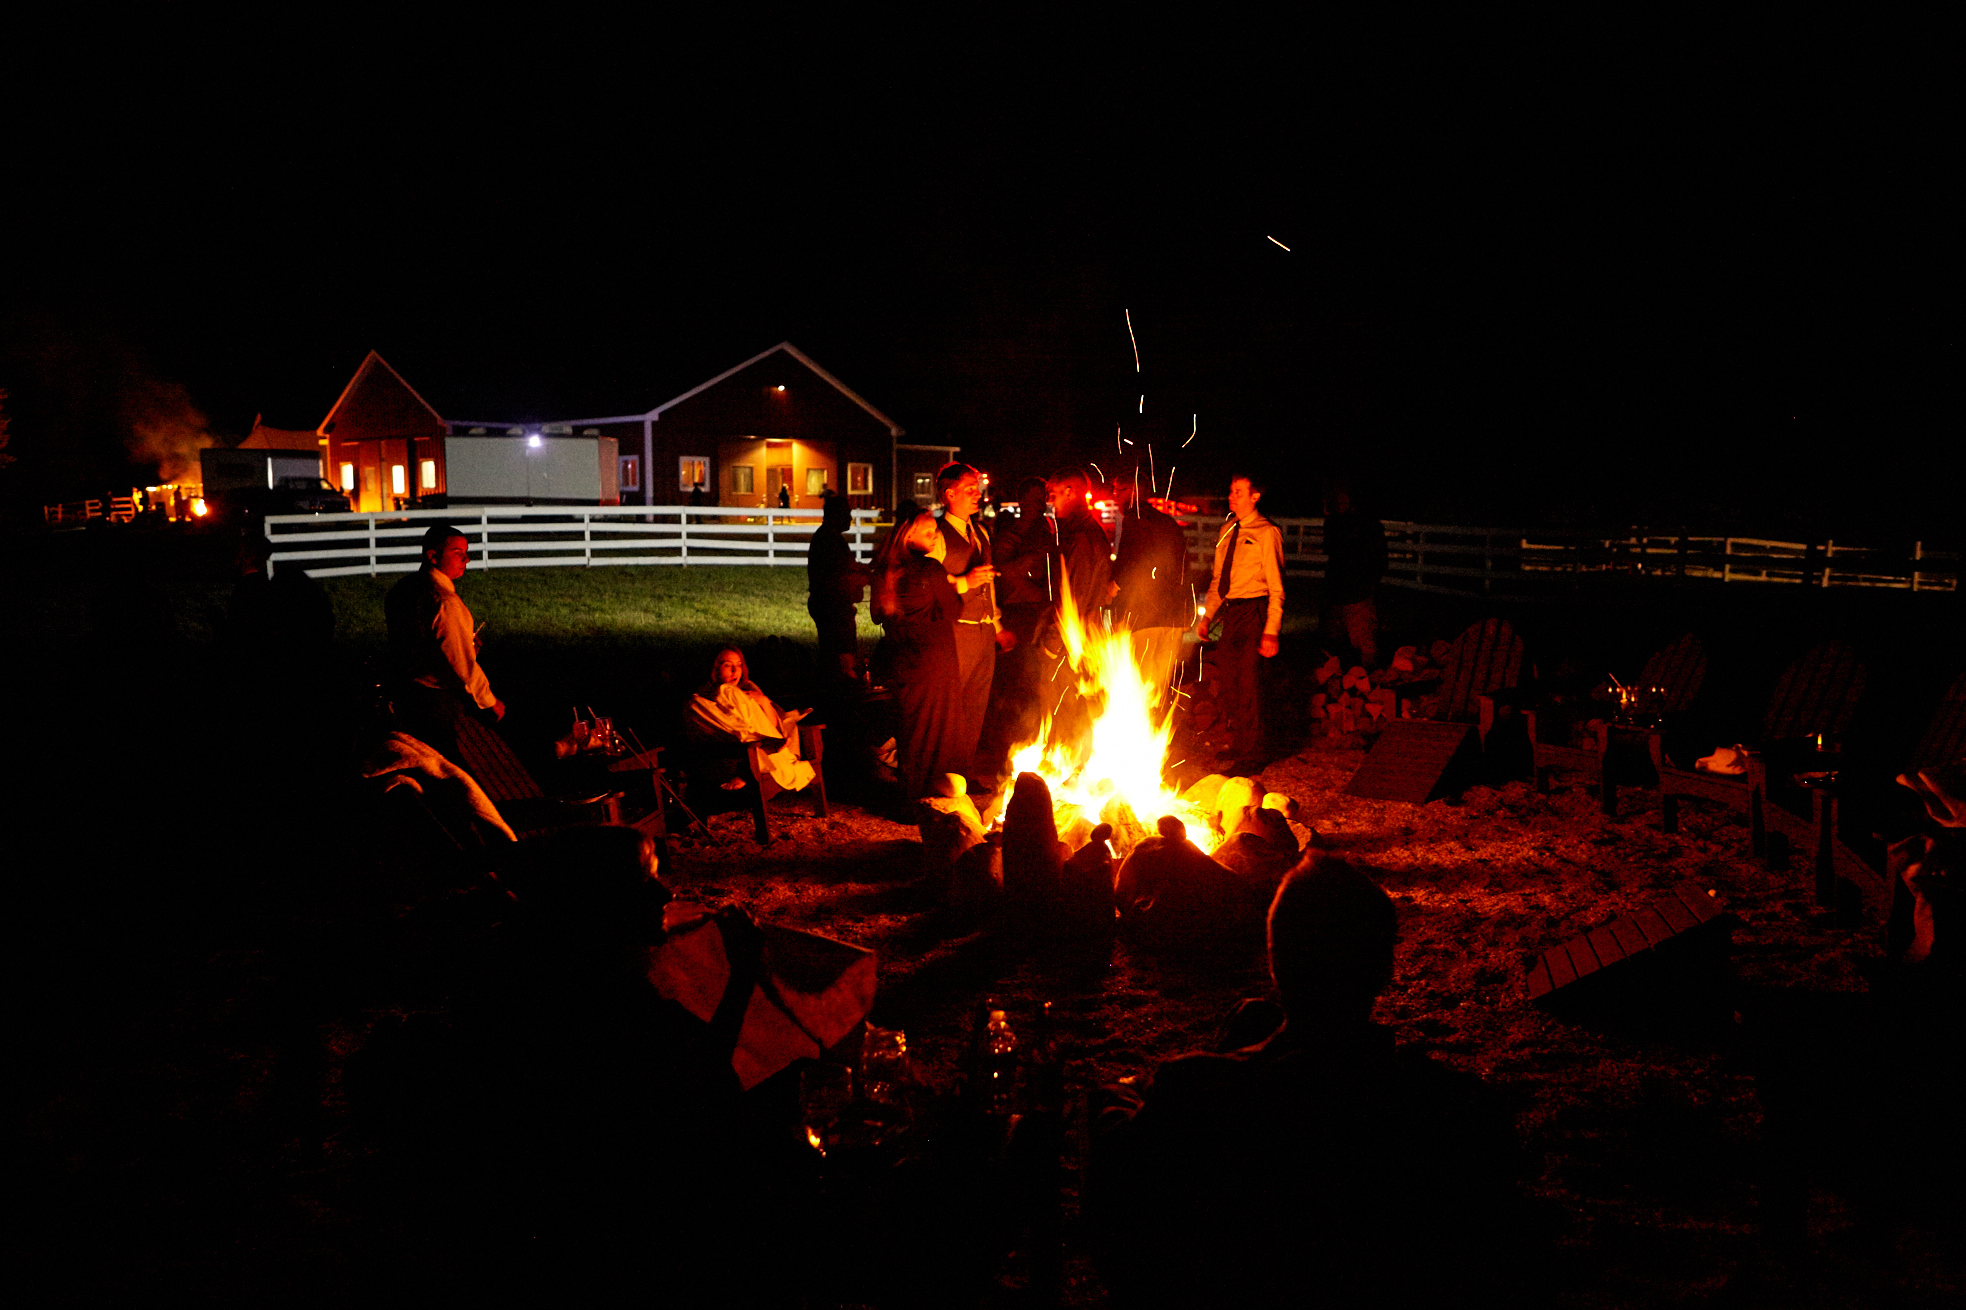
x=1917 y=554
x=1419 y=556
x=587 y=538
x=484 y=536
x=372 y=559
x=1487 y=563
x=682 y=533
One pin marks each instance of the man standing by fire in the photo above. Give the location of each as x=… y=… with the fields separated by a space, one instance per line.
x=435 y=645
x=1246 y=592
x=979 y=628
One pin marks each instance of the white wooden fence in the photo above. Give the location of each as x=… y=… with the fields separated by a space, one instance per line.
x=1422 y=556
x=1521 y=564
x=519 y=537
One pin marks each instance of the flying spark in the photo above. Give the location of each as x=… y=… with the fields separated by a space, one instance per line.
x=1096 y=469
x=1143 y=404
x=1194 y=426
x=1278 y=243
x=1136 y=340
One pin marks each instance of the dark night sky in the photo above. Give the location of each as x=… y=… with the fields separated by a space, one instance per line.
x=1583 y=276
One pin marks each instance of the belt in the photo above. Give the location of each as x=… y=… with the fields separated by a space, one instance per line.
x=1246 y=600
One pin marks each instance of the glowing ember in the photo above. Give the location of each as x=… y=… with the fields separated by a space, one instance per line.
x=1112 y=773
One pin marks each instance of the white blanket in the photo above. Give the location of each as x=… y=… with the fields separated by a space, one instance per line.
x=404 y=754
x=741 y=712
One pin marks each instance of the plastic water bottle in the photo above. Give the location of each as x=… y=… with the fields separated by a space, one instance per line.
x=1000 y=1066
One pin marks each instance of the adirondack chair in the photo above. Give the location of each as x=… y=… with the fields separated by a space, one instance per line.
x=707 y=761
x=1485 y=659
x=524 y=803
x=1667 y=686
x=1941 y=749
x=1814 y=699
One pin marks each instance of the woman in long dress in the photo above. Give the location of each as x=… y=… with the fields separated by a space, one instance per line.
x=918 y=606
x=732 y=706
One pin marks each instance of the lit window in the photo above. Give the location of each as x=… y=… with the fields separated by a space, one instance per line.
x=816 y=481
x=398 y=484
x=348 y=477
x=428 y=472
x=693 y=471
x=742 y=479
x=631 y=473
x=860 y=479
x=924 y=488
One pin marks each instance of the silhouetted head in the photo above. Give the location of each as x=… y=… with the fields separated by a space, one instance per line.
x=1070 y=493
x=1337 y=496
x=1332 y=932
x=1031 y=495
x=445 y=550
x=835 y=512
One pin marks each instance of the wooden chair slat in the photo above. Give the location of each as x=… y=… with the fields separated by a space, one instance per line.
x=1944 y=742
x=1680 y=668
x=486 y=757
x=1817 y=693
x=1485 y=658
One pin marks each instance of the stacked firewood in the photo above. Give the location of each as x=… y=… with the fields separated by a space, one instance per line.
x=1353 y=700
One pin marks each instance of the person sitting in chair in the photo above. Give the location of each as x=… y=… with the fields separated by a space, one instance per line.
x=730 y=706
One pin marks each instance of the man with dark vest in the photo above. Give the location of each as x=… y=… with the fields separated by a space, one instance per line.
x=1246 y=592
x=979 y=628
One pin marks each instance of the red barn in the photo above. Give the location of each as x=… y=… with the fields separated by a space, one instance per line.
x=776 y=422
x=384 y=443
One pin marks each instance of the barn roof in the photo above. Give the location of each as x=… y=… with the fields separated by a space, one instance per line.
x=800 y=355
x=378 y=403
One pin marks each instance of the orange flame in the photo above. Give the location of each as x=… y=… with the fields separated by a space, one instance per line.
x=1113 y=773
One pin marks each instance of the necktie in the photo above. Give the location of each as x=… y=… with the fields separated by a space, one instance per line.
x=1228 y=573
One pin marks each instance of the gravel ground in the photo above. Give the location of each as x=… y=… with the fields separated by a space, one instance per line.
x=1646 y=1141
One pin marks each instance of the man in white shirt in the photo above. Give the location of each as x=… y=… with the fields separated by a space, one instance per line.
x=1246 y=592
x=435 y=645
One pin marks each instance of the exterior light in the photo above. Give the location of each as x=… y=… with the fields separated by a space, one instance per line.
x=779 y=387
x=198 y=507
x=533 y=440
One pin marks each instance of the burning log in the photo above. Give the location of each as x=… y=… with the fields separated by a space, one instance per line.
x=1033 y=857
x=1170 y=894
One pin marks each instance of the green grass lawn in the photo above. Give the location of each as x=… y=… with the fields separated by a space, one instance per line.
x=627 y=608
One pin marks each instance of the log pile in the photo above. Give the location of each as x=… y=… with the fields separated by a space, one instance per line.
x=1353 y=700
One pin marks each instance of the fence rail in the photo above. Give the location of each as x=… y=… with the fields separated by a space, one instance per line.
x=1519 y=564
x=517 y=537
x=1467 y=561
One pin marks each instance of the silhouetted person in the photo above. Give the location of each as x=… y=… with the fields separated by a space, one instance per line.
x=697 y=498
x=434 y=643
x=1152 y=574
x=1022 y=556
x=1355 y=560
x=1083 y=554
x=784 y=496
x=1322 y=1165
x=918 y=605
x=284 y=620
x=834 y=583
x=1246 y=591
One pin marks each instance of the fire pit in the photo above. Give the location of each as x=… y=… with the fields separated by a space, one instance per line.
x=1107 y=766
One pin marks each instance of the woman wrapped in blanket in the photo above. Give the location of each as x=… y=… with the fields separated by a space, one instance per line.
x=731 y=706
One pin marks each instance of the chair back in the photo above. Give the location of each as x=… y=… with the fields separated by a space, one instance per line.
x=1484 y=659
x=1678 y=670
x=1944 y=742
x=1817 y=693
x=484 y=755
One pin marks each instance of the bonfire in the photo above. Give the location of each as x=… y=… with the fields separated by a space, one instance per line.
x=1109 y=770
